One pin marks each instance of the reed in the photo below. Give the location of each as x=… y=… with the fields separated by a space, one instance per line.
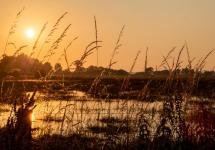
x=37 y=39
x=87 y=52
x=55 y=44
x=65 y=52
x=96 y=39
x=12 y=29
x=125 y=82
x=51 y=33
x=94 y=86
x=106 y=123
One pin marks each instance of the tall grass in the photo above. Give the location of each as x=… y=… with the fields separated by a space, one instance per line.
x=105 y=123
x=12 y=30
x=95 y=84
x=52 y=32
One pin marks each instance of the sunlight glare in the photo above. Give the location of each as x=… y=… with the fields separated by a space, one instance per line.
x=32 y=117
x=30 y=33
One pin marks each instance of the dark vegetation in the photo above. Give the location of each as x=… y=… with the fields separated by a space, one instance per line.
x=177 y=128
x=24 y=67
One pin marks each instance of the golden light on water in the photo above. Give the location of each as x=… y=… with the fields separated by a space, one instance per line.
x=30 y=33
x=32 y=117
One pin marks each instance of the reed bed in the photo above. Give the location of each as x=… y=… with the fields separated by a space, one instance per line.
x=64 y=120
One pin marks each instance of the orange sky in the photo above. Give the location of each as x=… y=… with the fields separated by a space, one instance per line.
x=158 y=24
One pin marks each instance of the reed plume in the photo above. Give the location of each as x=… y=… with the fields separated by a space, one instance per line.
x=97 y=80
x=37 y=40
x=125 y=83
x=115 y=50
x=65 y=52
x=87 y=52
x=19 y=50
x=55 y=44
x=96 y=36
x=52 y=32
x=12 y=29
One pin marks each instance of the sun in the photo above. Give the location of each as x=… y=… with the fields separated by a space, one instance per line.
x=30 y=33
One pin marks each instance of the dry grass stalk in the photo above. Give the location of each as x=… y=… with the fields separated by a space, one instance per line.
x=87 y=52
x=55 y=27
x=12 y=44
x=165 y=58
x=97 y=80
x=146 y=59
x=37 y=40
x=52 y=32
x=173 y=74
x=201 y=64
x=19 y=50
x=65 y=52
x=178 y=58
x=112 y=62
x=143 y=93
x=13 y=27
x=51 y=72
x=188 y=57
x=55 y=44
x=115 y=50
x=125 y=83
x=199 y=67
x=191 y=73
x=173 y=68
x=96 y=36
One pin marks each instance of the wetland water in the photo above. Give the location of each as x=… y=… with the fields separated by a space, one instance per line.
x=81 y=114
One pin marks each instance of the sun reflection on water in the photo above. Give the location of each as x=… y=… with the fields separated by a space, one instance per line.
x=32 y=117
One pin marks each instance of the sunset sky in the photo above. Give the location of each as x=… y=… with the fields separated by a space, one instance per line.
x=158 y=24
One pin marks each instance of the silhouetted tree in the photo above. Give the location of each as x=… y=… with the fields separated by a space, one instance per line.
x=149 y=70
x=46 y=69
x=58 y=68
x=22 y=65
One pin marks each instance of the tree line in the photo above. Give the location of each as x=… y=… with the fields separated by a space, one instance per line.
x=24 y=67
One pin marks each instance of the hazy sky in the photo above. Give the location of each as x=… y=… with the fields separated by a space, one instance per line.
x=158 y=24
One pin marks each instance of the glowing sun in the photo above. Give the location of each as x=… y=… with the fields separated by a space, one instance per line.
x=30 y=33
